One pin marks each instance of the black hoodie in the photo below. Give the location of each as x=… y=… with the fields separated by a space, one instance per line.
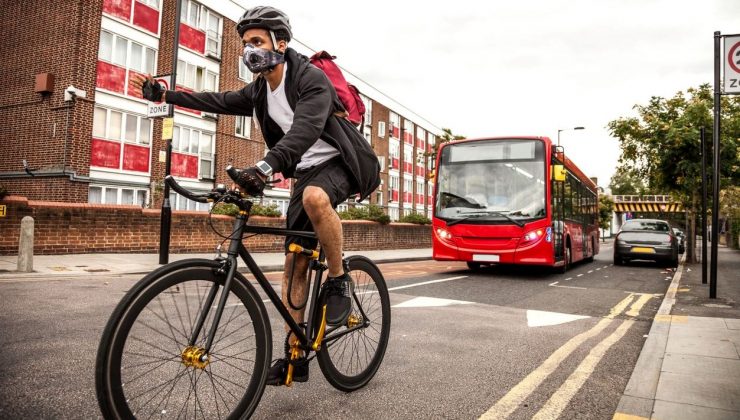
x=314 y=102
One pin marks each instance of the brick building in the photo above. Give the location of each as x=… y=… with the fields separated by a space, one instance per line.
x=98 y=146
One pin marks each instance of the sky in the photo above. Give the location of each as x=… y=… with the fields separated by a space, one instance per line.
x=529 y=67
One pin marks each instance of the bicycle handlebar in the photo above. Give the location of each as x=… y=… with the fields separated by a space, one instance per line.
x=201 y=198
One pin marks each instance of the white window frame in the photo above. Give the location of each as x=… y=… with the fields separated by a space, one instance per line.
x=146 y=66
x=381 y=129
x=119 y=194
x=395 y=121
x=210 y=35
x=207 y=156
x=381 y=161
x=177 y=200
x=246 y=123
x=151 y=3
x=244 y=73
x=124 y=118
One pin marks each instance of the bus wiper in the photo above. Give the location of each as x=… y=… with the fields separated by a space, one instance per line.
x=475 y=215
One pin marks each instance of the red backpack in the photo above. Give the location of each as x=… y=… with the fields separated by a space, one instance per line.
x=347 y=92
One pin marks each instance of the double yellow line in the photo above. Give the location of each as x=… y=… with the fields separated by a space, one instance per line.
x=559 y=400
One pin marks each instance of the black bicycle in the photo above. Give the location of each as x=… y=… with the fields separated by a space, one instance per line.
x=194 y=338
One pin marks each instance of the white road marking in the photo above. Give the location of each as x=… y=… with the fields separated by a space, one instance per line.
x=569 y=278
x=598 y=269
x=580 y=275
x=426 y=282
x=511 y=401
x=553 y=283
x=544 y=318
x=428 y=302
x=590 y=271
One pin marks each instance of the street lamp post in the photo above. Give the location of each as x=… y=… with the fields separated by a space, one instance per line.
x=566 y=129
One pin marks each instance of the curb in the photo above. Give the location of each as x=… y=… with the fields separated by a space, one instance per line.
x=267 y=268
x=638 y=398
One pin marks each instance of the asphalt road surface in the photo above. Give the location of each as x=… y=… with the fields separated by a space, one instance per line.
x=501 y=342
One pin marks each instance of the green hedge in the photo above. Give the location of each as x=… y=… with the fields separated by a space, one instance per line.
x=417 y=218
x=371 y=212
x=270 y=210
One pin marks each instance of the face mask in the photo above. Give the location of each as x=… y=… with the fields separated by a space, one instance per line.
x=260 y=60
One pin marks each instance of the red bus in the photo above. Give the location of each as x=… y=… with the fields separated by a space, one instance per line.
x=512 y=200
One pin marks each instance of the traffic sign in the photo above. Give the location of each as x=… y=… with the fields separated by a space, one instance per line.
x=731 y=64
x=160 y=109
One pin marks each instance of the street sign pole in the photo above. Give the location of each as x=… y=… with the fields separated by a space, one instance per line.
x=703 y=206
x=166 y=218
x=715 y=168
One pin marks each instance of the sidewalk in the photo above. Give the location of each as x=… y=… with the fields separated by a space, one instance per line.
x=46 y=266
x=689 y=367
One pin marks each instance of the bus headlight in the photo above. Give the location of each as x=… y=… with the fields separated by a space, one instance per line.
x=532 y=236
x=443 y=234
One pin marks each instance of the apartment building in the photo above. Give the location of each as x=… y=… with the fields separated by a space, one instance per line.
x=98 y=146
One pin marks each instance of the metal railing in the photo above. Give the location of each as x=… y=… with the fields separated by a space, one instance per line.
x=642 y=199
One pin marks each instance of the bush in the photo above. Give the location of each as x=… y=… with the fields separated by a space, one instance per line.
x=270 y=210
x=371 y=212
x=417 y=218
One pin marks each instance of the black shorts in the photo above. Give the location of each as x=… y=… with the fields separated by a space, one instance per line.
x=332 y=177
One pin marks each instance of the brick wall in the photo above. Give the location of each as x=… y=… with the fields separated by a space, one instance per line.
x=61 y=38
x=69 y=228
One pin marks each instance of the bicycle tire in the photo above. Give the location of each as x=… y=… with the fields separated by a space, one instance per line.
x=371 y=292
x=140 y=331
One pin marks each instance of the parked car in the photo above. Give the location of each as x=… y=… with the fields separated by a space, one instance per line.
x=646 y=239
x=681 y=240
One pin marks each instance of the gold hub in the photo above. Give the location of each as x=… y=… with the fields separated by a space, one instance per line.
x=354 y=320
x=195 y=357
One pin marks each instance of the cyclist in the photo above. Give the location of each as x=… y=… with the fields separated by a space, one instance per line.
x=302 y=122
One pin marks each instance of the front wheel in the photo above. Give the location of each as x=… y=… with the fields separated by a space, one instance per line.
x=146 y=366
x=351 y=360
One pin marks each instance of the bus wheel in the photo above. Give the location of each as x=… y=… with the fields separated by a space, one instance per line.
x=593 y=250
x=475 y=266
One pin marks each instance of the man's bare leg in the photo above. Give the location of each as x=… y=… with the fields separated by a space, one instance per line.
x=300 y=285
x=327 y=225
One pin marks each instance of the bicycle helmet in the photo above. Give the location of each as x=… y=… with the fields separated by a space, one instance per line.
x=265 y=17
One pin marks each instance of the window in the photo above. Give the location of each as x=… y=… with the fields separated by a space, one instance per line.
x=395 y=121
x=243 y=126
x=118 y=195
x=116 y=125
x=125 y=53
x=150 y=3
x=213 y=34
x=195 y=77
x=244 y=73
x=195 y=142
x=393 y=214
x=381 y=161
x=190 y=13
x=381 y=129
x=179 y=202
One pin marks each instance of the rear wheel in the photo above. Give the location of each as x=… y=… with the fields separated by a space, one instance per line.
x=590 y=258
x=145 y=366
x=567 y=261
x=351 y=360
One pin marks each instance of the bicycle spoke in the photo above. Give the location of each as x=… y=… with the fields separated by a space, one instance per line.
x=166 y=398
x=229 y=364
x=151 y=345
x=177 y=344
x=161 y=361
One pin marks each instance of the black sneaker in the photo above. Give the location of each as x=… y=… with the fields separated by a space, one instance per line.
x=279 y=370
x=338 y=299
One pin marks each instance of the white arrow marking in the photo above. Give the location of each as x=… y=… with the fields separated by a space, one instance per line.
x=544 y=318
x=429 y=302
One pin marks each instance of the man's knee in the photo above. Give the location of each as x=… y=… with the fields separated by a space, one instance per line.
x=315 y=199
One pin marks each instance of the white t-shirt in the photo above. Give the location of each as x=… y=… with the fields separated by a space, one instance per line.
x=279 y=110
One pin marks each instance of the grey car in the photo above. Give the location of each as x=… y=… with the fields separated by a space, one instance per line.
x=646 y=239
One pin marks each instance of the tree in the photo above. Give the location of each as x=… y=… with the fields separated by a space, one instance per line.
x=625 y=182
x=606 y=206
x=662 y=146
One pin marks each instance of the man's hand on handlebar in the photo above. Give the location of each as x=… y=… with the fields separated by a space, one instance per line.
x=249 y=180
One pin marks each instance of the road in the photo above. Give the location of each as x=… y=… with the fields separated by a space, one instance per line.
x=502 y=342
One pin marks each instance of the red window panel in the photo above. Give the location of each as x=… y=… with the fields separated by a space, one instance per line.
x=429 y=148
x=408 y=138
x=111 y=77
x=192 y=38
x=130 y=89
x=420 y=143
x=184 y=165
x=407 y=167
x=407 y=197
x=419 y=199
x=394 y=194
x=118 y=8
x=420 y=171
x=394 y=163
x=285 y=184
x=106 y=154
x=135 y=158
x=396 y=132
x=182 y=108
x=146 y=17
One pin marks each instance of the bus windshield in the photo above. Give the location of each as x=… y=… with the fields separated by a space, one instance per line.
x=492 y=181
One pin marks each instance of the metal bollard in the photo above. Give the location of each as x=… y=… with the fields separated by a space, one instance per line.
x=25 y=246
